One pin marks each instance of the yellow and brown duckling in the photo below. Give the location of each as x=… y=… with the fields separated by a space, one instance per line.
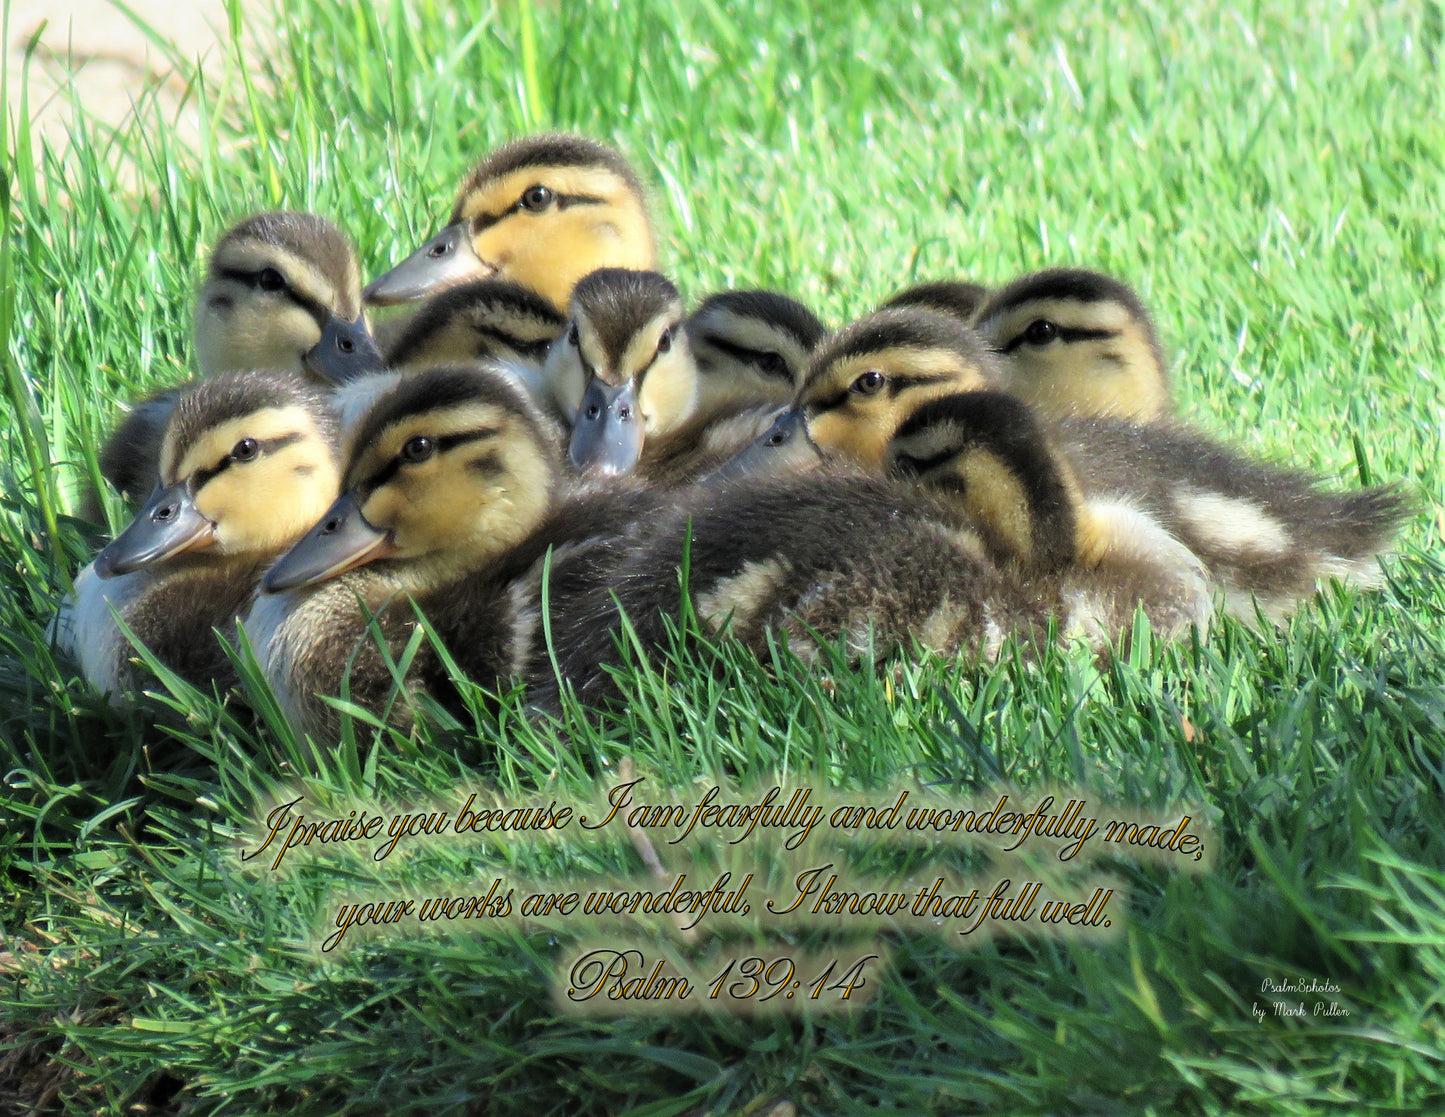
x=283 y=293
x=832 y=554
x=749 y=349
x=990 y=454
x=247 y=464
x=453 y=495
x=1078 y=343
x=860 y=384
x=1268 y=534
x=673 y=396
x=542 y=211
x=624 y=368
x=954 y=298
x=1264 y=532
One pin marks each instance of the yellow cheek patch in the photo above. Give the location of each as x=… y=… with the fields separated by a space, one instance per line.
x=265 y=505
x=996 y=500
x=669 y=392
x=860 y=437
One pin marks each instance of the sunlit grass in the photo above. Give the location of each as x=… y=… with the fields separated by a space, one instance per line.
x=1267 y=175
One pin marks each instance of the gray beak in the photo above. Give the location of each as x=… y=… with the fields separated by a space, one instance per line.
x=607 y=436
x=344 y=352
x=342 y=540
x=783 y=448
x=169 y=524
x=444 y=261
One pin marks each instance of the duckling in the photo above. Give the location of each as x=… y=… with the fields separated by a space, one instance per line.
x=624 y=369
x=954 y=298
x=1268 y=534
x=455 y=502
x=833 y=555
x=542 y=211
x=1075 y=342
x=989 y=451
x=859 y=385
x=708 y=386
x=486 y=320
x=247 y=464
x=282 y=292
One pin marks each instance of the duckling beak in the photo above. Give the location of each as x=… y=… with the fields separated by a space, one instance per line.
x=444 y=261
x=344 y=352
x=783 y=448
x=607 y=436
x=341 y=541
x=168 y=525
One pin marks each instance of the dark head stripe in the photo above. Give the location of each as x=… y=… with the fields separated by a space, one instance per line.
x=551 y=150
x=901 y=327
x=957 y=298
x=1070 y=284
x=220 y=399
x=791 y=316
x=618 y=302
x=475 y=303
x=440 y=389
x=311 y=238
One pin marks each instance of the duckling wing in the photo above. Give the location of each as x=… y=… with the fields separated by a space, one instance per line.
x=1264 y=531
x=852 y=558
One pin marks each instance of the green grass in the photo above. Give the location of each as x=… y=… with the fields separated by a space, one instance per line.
x=1269 y=176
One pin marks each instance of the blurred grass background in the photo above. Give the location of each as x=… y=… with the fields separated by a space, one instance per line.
x=1268 y=175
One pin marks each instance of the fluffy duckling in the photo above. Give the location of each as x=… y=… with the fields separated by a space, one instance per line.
x=990 y=453
x=1075 y=342
x=1268 y=534
x=542 y=211
x=282 y=292
x=624 y=368
x=487 y=320
x=861 y=383
x=749 y=349
x=954 y=298
x=247 y=464
x=453 y=496
x=670 y=396
x=836 y=555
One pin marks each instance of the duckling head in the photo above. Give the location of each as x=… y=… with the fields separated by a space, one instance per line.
x=247 y=464
x=624 y=367
x=865 y=380
x=449 y=468
x=283 y=292
x=989 y=452
x=955 y=298
x=1075 y=342
x=542 y=211
x=487 y=319
x=750 y=348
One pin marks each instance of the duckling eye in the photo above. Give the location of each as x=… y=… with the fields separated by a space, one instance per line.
x=664 y=343
x=572 y=337
x=537 y=197
x=245 y=450
x=772 y=364
x=870 y=383
x=418 y=449
x=269 y=279
x=1041 y=332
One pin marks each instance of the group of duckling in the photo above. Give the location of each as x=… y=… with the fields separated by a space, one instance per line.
x=551 y=427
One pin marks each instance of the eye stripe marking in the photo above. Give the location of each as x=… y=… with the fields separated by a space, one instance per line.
x=264 y=446
x=1065 y=333
x=444 y=443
